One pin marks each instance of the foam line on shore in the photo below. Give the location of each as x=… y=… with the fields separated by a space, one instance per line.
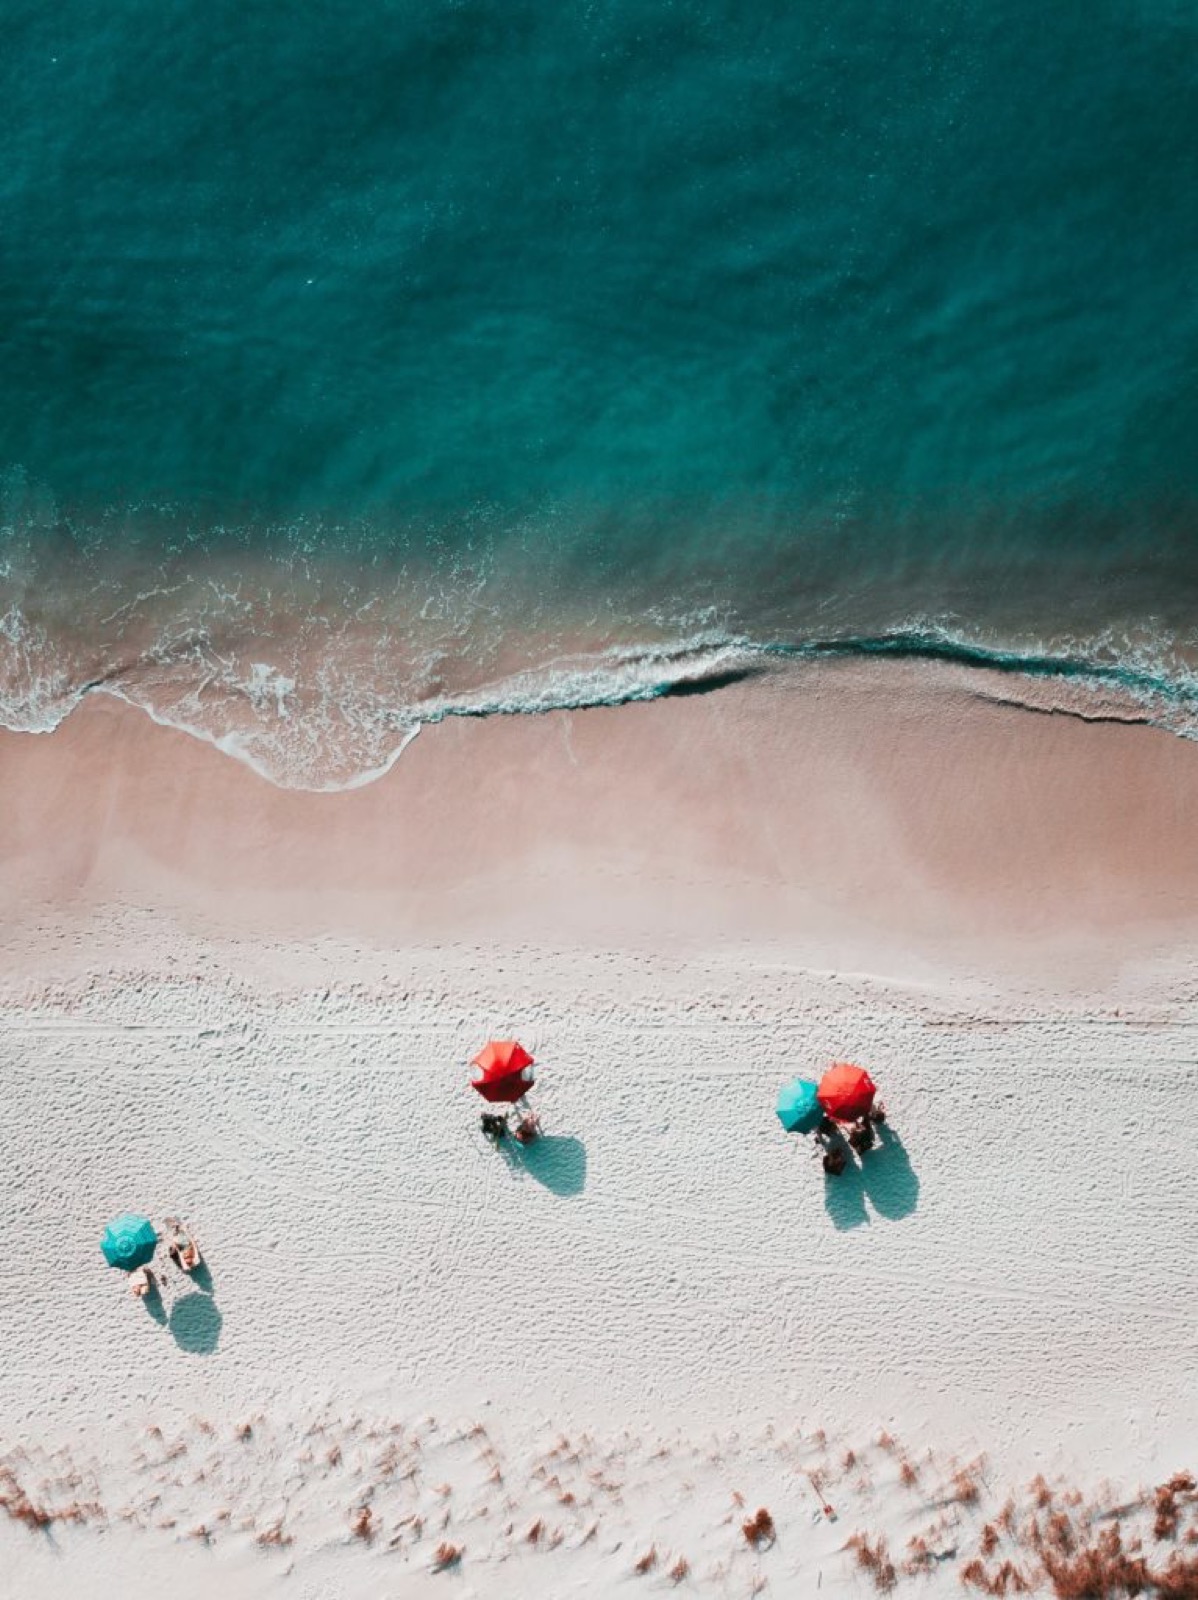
x=290 y=750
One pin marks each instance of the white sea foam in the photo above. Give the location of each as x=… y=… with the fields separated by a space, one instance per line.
x=36 y=690
x=332 y=702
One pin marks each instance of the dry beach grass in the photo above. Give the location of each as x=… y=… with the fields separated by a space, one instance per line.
x=1036 y=1538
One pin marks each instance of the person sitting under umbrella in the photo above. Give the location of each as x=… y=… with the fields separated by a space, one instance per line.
x=847 y=1094
x=527 y=1128
x=861 y=1135
x=142 y=1282
x=830 y=1141
x=502 y=1075
x=496 y=1127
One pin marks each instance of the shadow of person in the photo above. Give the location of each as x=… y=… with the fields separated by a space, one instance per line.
x=154 y=1306
x=844 y=1198
x=559 y=1163
x=201 y=1276
x=891 y=1182
x=195 y=1324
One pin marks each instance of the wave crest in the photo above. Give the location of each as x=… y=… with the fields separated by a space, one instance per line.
x=339 y=712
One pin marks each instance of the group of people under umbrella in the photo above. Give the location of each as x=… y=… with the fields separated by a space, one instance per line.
x=502 y=1073
x=130 y=1241
x=844 y=1098
x=841 y=1110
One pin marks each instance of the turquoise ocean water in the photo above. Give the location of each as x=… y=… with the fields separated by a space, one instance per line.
x=364 y=363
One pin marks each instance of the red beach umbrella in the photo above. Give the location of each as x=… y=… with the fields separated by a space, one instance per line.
x=846 y=1092
x=502 y=1071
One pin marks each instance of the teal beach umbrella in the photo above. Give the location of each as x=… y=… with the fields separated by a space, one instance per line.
x=128 y=1242
x=799 y=1110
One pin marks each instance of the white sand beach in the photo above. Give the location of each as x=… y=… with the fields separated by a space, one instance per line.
x=420 y=1365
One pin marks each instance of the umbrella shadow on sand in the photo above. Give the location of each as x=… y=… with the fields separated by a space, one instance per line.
x=195 y=1323
x=884 y=1177
x=557 y=1162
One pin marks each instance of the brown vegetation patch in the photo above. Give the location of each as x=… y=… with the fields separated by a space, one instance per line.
x=874 y=1558
x=759 y=1530
x=1040 y=1492
x=20 y=1506
x=1003 y=1580
x=1178 y=1579
x=1058 y=1535
x=1094 y=1571
x=361 y=1523
x=919 y=1556
x=1168 y=1502
x=1078 y=1564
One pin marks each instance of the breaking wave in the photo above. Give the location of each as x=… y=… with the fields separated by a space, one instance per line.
x=340 y=715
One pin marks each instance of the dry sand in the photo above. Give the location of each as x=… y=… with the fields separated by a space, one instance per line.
x=253 y=1008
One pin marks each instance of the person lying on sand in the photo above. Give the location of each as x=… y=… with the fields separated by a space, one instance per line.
x=835 y=1161
x=142 y=1282
x=181 y=1247
x=527 y=1128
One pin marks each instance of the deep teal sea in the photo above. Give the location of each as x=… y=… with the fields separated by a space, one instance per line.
x=364 y=361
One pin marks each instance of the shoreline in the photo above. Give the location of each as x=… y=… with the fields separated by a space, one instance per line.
x=883 y=818
x=325 y=707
